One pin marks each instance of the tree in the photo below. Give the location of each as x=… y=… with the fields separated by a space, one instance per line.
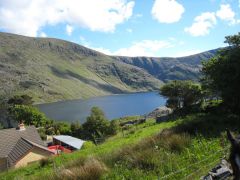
x=62 y=128
x=222 y=73
x=181 y=93
x=96 y=125
x=113 y=127
x=233 y=41
x=20 y=100
x=29 y=115
x=76 y=129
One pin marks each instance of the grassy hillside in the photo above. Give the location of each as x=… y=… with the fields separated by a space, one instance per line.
x=51 y=69
x=188 y=148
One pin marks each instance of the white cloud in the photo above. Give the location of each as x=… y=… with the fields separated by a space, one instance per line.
x=27 y=17
x=167 y=11
x=43 y=34
x=142 y=48
x=138 y=15
x=102 y=50
x=202 y=24
x=187 y=53
x=69 y=29
x=129 y=30
x=227 y=14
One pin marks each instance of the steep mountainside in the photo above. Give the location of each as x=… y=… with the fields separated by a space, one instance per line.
x=51 y=69
x=165 y=69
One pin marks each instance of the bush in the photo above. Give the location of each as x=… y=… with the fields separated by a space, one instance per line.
x=45 y=162
x=113 y=127
x=222 y=74
x=97 y=126
x=42 y=133
x=20 y=100
x=62 y=128
x=89 y=169
x=143 y=155
x=181 y=93
x=88 y=144
x=29 y=114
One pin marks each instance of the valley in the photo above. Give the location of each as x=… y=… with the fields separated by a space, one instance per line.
x=51 y=70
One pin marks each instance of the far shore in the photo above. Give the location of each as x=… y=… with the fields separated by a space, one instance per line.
x=92 y=97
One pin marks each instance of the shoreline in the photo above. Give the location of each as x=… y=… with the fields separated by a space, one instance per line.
x=84 y=99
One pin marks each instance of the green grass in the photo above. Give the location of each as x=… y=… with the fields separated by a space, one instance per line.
x=51 y=70
x=186 y=151
x=186 y=148
x=115 y=142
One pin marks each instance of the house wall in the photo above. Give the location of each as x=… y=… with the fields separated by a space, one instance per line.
x=35 y=154
x=3 y=164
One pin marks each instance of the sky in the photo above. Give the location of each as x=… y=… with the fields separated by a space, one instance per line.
x=157 y=28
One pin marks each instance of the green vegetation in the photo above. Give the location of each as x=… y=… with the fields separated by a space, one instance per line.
x=97 y=126
x=186 y=146
x=181 y=94
x=189 y=147
x=130 y=137
x=167 y=69
x=20 y=100
x=30 y=115
x=51 y=70
x=222 y=74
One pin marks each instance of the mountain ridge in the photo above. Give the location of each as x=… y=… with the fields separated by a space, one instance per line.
x=50 y=70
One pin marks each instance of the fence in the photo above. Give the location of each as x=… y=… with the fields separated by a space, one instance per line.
x=202 y=167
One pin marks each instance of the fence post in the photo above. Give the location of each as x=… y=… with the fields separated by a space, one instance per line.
x=234 y=156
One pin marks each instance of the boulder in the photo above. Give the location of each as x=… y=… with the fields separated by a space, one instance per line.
x=160 y=112
x=221 y=171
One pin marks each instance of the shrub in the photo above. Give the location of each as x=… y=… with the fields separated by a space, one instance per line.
x=29 y=114
x=42 y=133
x=45 y=162
x=143 y=154
x=177 y=143
x=89 y=169
x=88 y=144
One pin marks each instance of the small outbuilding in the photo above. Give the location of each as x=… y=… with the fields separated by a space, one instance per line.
x=21 y=146
x=68 y=142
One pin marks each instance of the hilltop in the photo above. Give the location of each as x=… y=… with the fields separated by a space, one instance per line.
x=51 y=69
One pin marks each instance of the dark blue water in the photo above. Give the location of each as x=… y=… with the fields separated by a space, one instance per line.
x=114 y=106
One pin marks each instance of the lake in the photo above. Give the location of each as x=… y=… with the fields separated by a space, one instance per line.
x=114 y=106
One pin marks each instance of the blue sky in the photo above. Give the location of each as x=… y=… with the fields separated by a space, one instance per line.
x=126 y=27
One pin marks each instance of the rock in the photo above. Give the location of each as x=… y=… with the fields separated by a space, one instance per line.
x=161 y=113
x=221 y=171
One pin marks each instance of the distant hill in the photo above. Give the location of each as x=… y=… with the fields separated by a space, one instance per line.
x=51 y=69
x=165 y=69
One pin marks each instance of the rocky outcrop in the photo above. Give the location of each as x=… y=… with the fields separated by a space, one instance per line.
x=160 y=112
x=221 y=171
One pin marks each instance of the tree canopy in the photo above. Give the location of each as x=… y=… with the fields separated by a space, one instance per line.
x=181 y=93
x=29 y=115
x=222 y=73
x=21 y=100
x=97 y=125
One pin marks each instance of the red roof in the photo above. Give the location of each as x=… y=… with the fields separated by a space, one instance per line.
x=57 y=148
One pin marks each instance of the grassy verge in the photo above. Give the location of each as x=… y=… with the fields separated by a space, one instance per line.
x=186 y=148
x=132 y=136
